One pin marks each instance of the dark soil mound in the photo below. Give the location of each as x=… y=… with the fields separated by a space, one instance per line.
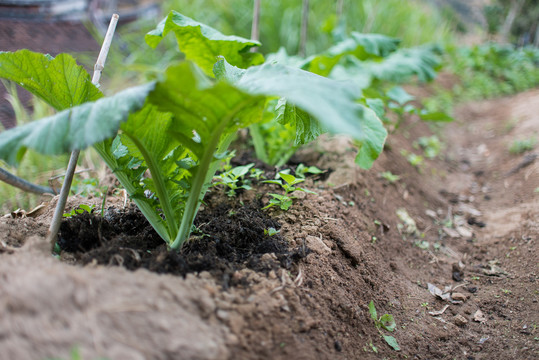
x=227 y=238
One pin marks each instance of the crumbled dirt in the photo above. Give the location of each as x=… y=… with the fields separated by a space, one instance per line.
x=475 y=210
x=229 y=238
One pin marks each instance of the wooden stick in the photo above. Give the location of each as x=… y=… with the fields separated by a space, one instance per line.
x=22 y=184
x=304 y=28
x=340 y=6
x=66 y=186
x=255 y=27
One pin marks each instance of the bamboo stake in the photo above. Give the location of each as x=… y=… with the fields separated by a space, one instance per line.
x=255 y=27
x=304 y=28
x=22 y=184
x=66 y=186
x=340 y=6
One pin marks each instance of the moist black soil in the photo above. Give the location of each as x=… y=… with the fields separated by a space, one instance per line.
x=228 y=237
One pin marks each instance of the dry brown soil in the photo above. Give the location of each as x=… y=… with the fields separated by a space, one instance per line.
x=306 y=294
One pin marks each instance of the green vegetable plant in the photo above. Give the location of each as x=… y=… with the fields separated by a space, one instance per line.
x=413 y=159
x=233 y=179
x=271 y=231
x=386 y=322
x=390 y=177
x=302 y=171
x=289 y=186
x=374 y=63
x=522 y=145
x=178 y=127
x=431 y=145
x=81 y=209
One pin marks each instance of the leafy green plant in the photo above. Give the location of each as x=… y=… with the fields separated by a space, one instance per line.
x=490 y=70
x=431 y=145
x=370 y=61
x=233 y=179
x=271 y=231
x=386 y=322
x=413 y=159
x=179 y=127
x=302 y=171
x=523 y=145
x=289 y=186
x=390 y=177
x=81 y=209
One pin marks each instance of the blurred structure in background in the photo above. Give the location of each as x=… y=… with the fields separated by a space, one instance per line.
x=55 y=26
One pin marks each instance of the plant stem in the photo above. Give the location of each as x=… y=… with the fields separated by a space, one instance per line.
x=66 y=186
x=22 y=184
x=160 y=188
x=197 y=189
x=195 y=195
x=258 y=143
x=153 y=218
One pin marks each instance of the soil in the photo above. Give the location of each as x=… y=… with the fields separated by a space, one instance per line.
x=235 y=292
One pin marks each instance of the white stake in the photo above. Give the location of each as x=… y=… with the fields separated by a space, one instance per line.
x=66 y=186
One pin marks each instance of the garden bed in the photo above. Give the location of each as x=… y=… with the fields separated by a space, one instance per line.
x=304 y=292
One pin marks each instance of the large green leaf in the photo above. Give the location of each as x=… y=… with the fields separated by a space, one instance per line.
x=200 y=107
x=75 y=128
x=203 y=44
x=58 y=81
x=373 y=136
x=360 y=46
x=307 y=127
x=405 y=63
x=331 y=103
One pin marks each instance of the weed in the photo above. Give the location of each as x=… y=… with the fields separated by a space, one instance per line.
x=285 y=201
x=233 y=179
x=431 y=145
x=386 y=322
x=521 y=146
x=413 y=159
x=390 y=177
x=81 y=209
x=271 y=231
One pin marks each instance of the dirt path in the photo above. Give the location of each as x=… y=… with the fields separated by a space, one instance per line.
x=476 y=229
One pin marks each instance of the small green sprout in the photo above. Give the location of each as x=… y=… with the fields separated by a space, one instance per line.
x=80 y=210
x=232 y=179
x=302 y=171
x=271 y=231
x=431 y=145
x=390 y=177
x=521 y=146
x=413 y=159
x=386 y=322
x=285 y=201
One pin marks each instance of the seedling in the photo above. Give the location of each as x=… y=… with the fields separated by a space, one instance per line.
x=386 y=322
x=302 y=171
x=233 y=179
x=285 y=201
x=81 y=209
x=413 y=159
x=390 y=177
x=431 y=145
x=271 y=231
x=521 y=146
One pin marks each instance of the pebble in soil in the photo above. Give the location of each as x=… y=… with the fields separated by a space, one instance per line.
x=228 y=238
